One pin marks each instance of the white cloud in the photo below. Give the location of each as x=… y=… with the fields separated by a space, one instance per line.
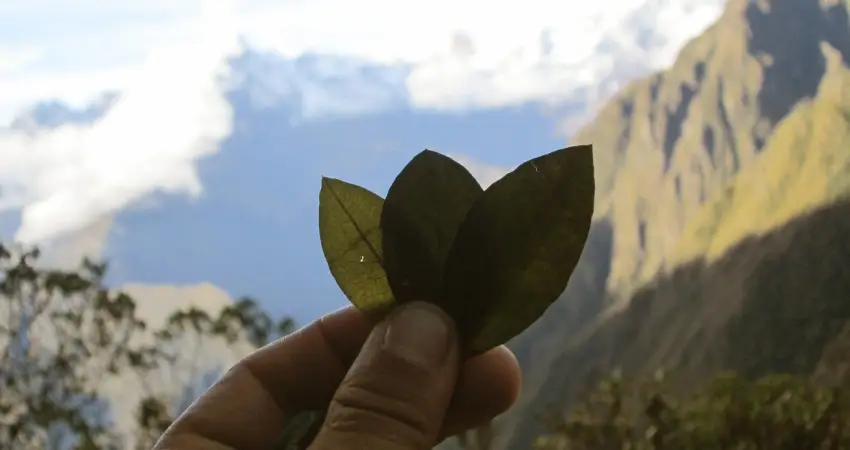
x=513 y=51
x=485 y=173
x=163 y=56
x=15 y=58
x=171 y=112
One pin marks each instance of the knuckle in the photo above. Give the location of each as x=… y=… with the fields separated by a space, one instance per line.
x=380 y=408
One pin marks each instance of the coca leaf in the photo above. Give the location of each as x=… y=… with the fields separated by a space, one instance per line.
x=514 y=253
x=349 y=228
x=423 y=210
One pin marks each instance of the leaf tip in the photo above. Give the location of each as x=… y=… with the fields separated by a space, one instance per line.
x=328 y=180
x=584 y=148
x=426 y=152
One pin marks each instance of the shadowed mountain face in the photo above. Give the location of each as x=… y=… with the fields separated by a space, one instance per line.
x=746 y=131
x=775 y=303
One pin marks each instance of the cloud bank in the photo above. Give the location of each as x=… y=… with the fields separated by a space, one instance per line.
x=165 y=58
x=170 y=113
x=467 y=54
x=486 y=174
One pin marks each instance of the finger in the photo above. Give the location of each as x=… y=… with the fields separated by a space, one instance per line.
x=488 y=385
x=250 y=405
x=398 y=389
x=302 y=371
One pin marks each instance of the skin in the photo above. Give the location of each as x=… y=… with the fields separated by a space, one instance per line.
x=379 y=399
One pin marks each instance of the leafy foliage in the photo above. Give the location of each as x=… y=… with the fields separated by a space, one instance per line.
x=774 y=412
x=494 y=260
x=63 y=334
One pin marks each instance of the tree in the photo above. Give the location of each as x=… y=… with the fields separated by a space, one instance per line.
x=242 y=322
x=774 y=412
x=63 y=335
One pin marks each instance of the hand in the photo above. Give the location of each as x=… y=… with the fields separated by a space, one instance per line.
x=397 y=386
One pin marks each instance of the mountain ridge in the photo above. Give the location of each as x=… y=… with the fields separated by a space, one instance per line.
x=674 y=143
x=658 y=168
x=804 y=167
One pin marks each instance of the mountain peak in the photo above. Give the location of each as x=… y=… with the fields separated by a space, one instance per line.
x=670 y=140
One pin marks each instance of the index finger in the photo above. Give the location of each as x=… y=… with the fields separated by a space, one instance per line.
x=250 y=406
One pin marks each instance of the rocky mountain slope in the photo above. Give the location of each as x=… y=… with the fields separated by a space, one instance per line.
x=746 y=133
x=806 y=163
x=669 y=141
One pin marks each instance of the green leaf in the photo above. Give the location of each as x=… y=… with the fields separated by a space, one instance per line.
x=423 y=210
x=349 y=227
x=521 y=240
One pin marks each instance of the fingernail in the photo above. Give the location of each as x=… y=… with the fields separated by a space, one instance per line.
x=420 y=333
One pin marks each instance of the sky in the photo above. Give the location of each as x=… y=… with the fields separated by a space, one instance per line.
x=168 y=61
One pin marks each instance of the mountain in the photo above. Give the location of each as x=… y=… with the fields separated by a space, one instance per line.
x=805 y=164
x=704 y=171
x=670 y=140
x=772 y=303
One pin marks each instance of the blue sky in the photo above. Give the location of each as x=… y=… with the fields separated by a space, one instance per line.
x=205 y=167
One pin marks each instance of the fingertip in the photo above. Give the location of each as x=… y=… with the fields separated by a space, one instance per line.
x=495 y=375
x=345 y=330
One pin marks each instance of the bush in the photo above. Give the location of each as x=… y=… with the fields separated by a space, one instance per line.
x=775 y=412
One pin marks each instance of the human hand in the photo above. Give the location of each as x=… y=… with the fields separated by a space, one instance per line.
x=398 y=386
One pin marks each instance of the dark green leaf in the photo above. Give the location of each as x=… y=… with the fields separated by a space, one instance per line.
x=518 y=246
x=349 y=227
x=423 y=210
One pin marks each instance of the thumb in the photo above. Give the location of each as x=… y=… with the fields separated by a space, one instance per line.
x=398 y=389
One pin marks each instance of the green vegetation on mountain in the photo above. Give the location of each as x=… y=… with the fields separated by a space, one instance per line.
x=776 y=412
